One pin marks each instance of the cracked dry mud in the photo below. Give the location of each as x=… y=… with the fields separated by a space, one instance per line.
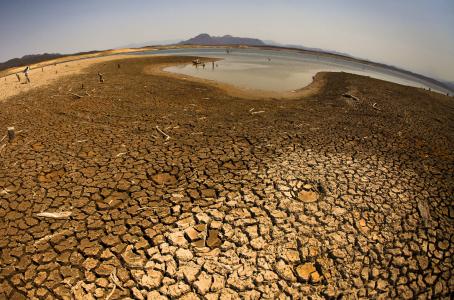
x=323 y=196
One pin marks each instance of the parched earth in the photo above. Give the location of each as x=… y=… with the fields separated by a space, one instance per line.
x=322 y=197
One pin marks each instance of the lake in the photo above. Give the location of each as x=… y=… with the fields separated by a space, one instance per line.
x=272 y=70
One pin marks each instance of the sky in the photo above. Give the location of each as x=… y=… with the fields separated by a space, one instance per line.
x=417 y=35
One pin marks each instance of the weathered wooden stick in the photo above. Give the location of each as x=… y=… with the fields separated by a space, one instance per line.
x=374 y=106
x=351 y=96
x=11 y=134
x=74 y=94
x=163 y=133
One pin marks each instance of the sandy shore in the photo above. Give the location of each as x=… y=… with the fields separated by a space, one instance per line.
x=47 y=73
x=41 y=76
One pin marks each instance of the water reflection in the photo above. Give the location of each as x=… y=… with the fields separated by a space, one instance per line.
x=279 y=70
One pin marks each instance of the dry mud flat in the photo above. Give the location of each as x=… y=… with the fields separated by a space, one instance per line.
x=324 y=196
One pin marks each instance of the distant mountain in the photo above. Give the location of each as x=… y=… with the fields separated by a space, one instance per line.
x=35 y=58
x=450 y=84
x=206 y=39
x=28 y=60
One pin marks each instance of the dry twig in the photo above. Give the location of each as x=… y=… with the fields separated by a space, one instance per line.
x=55 y=215
x=257 y=112
x=167 y=137
x=74 y=94
x=50 y=236
x=351 y=96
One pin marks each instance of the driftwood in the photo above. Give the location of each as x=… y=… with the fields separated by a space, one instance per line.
x=351 y=96
x=167 y=137
x=11 y=134
x=257 y=112
x=49 y=237
x=111 y=293
x=74 y=94
x=424 y=211
x=55 y=215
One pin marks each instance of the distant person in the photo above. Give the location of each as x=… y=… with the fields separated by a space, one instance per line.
x=26 y=70
x=203 y=65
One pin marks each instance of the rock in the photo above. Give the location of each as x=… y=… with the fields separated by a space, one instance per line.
x=189 y=271
x=152 y=279
x=213 y=239
x=178 y=289
x=291 y=256
x=307 y=272
x=307 y=196
x=203 y=283
x=192 y=234
x=209 y=193
x=164 y=179
x=190 y=296
x=39 y=279
x=218 y=283
x=362 y=226
x=132 y=259
x=258 y=243
x=184 y=255
x=177 y=239
x=202 y=218
x=104 y=269
x=155 y=295
x=284 y=271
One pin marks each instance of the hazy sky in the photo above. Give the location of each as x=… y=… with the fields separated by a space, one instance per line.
x=414 y=34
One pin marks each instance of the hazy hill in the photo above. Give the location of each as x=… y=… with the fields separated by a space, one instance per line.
x=206 y=39
x=28 y=60
x=35 y=58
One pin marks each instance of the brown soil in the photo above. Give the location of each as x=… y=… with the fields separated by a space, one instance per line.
x=320 y=196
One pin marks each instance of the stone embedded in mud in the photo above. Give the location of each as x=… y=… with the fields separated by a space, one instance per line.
x=184 y=254
x=307 y=196
x=258 y=243
x=164 y=179
x=213 y=239
x=192 y=234
x=132 y=259
x=284 y=271
x=177 y=238
x=152 y=279
x=203 y=283
x=307 y=272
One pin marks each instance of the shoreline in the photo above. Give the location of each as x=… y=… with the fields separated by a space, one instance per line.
x=236 y=91
x=46 y=75
x=12 y=71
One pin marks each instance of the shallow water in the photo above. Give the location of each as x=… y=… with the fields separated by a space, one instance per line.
x=271 y=70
